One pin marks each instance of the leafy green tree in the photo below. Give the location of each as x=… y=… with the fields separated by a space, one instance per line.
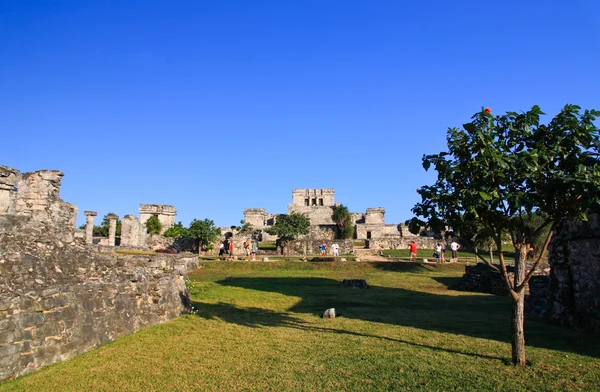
x=102 y=230
x=501 y=170
x=343 y=219
x=289 y=227
x=176 y=231
x=204 y=232
x=153 y=225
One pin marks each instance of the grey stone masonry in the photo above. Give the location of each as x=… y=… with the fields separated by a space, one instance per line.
x=60 y=296
x=574 y=258
x=89 y=226
x=112 y=228
x=8 y=189
x=166 y=214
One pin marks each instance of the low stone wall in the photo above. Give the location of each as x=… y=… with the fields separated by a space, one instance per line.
x=61 y=298
x=311 y=247
x=399 y=242
x=574 y=255
x=483 y=279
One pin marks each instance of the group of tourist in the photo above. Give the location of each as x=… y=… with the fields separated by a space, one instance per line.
x=438 y=253
x=250 y=249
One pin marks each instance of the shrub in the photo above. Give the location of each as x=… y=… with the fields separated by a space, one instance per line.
x=153 y=225
x=167 y=251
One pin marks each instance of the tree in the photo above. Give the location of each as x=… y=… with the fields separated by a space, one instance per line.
x=204 y=232
x=153 y=225
x=288 y=227
x=502 y=171
x=176 y=231
x=343 y=219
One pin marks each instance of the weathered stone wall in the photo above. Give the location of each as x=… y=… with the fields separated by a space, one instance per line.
x=311 y=247
x=398 y=242
x=133 y=233
x=574 y=255
x=166 y=214
x=60 y=296
x=8 y=189
x=317 y=215
x=313 y=197
x=375 y=216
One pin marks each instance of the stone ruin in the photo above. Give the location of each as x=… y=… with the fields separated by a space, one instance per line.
x=317 y=205
x=567 y=290
x=574 y=257
x=60 y=295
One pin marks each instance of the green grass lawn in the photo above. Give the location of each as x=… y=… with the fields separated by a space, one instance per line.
x=258 y=327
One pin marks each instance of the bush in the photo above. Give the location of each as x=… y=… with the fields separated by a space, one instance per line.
x=153 y=225
x=167 y=251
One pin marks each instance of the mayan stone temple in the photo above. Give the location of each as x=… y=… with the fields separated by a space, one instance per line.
x=317 y=205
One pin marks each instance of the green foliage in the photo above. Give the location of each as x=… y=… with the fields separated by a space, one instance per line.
x=102 y=230
x=176 y=231
x=204 y=231
x=511 y=166
x=501 y=171
x=288 y=227
x=153 y=225
x=343 y=219
x=267 y=245
x=245 y=228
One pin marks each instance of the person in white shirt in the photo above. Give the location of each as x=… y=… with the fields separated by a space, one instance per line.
x=336 y=249
x=455 y=246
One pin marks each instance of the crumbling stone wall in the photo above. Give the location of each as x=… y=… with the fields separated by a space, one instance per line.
x=574 y=256
x=310 y=246
x=399 y=242
x=133 y=233
x=166 y=214
x=59 y=296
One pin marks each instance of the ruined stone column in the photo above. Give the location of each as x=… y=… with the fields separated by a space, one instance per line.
x=112 y=229
x=89 y=225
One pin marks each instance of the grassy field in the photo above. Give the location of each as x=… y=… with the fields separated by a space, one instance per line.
x=258 y=327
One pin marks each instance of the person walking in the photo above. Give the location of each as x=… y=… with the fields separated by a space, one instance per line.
x=230 y=249
x=323 y=248
x=438 y=252
x=412 y=246
x=254 y=250
x=454 y=246
x=247 y=247
x=336 y=249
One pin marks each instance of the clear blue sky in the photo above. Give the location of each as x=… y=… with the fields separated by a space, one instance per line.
x=217 y=106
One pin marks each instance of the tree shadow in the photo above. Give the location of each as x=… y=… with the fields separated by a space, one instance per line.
x=477 y=315
x=405 y=266
x=259 y=318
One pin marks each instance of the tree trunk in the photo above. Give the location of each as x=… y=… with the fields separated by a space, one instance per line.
x=518 y=312
x=490 y=248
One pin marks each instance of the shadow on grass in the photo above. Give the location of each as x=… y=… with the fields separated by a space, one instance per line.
x=403 y=266
x=257 y=317
x=480 y=316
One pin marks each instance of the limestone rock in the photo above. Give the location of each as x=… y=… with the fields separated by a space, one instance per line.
x=329 y=313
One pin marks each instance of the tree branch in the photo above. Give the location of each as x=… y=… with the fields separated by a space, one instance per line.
x=522 y=285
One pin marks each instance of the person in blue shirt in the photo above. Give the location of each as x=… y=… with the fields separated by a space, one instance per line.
x=323 y=248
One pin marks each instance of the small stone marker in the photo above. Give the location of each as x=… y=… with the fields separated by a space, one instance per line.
x=360 y=283
x=265 y=259
x=329 y=313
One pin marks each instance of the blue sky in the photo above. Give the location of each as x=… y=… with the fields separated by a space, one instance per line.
x=217 y=106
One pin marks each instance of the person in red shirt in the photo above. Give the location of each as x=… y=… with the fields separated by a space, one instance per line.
x=412 y=245
x=230 y=249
